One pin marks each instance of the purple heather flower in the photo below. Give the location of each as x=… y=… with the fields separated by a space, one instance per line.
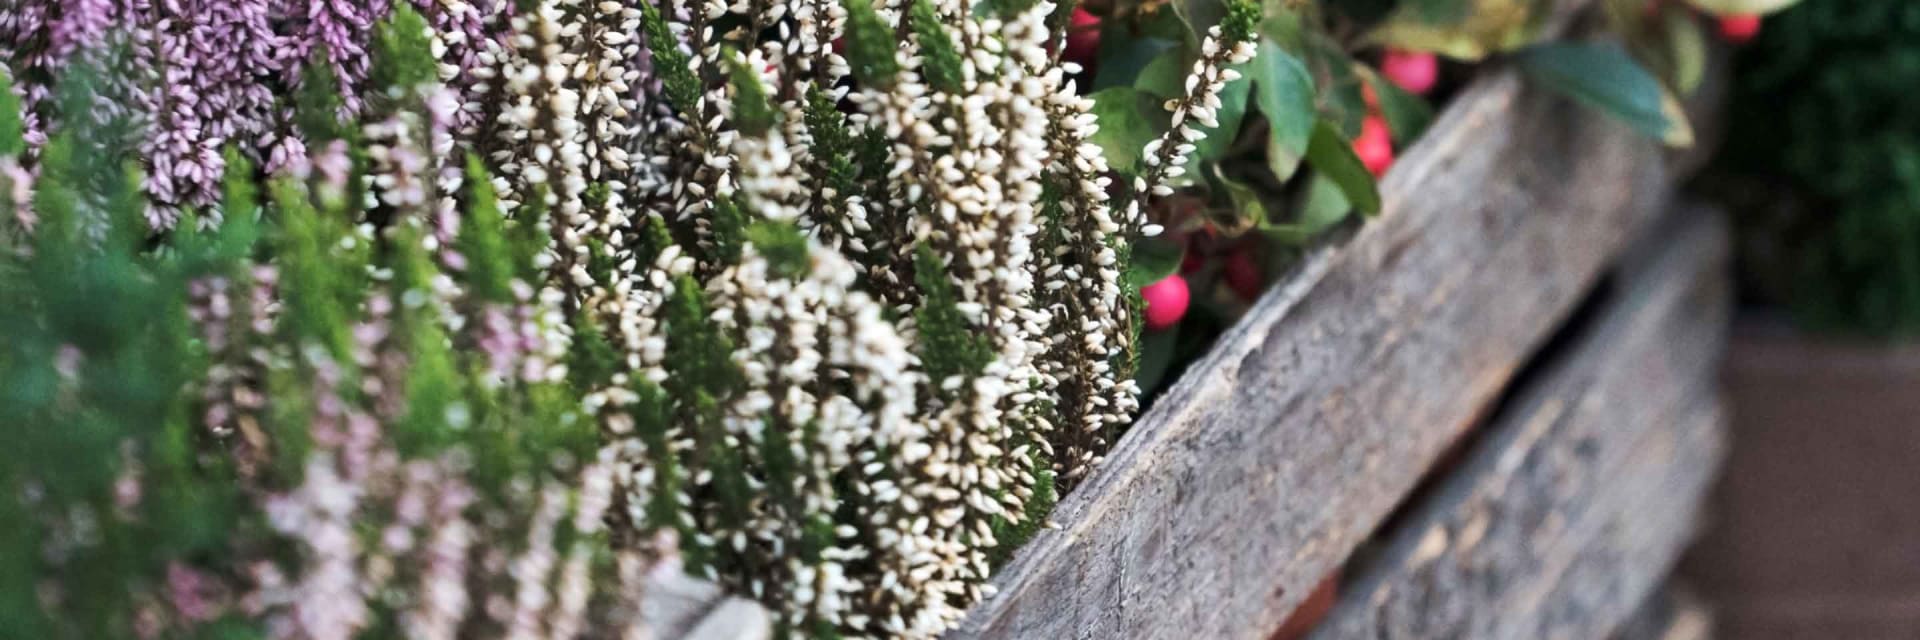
x=216 y=62
x=23 y=49
x=341 y=28
x=39 y=38
x=83 y=24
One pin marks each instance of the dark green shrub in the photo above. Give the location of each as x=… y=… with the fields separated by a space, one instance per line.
x=1828 y=125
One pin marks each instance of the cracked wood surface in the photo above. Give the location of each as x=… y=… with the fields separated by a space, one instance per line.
x=1581 y=494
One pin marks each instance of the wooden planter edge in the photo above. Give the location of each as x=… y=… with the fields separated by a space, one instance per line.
x=1273 y=457
x=1581 y=493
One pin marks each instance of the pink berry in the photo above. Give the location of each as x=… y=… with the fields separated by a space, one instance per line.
x=1415 y=71
x=1083 y=38
x=1740 y=28
x=1375 y=145
x=1243 y=275
x=1166 y=302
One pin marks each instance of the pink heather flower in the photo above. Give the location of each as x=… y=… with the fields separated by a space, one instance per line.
x=195 y=597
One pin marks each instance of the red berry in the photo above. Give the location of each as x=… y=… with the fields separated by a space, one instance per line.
x=1243 y=275
x=1415 y=71
x=1166 y=302
x=1083 y=38
x=1375 y=145
x=1740 y=28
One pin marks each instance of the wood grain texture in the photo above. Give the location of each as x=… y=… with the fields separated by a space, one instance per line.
x=1575 y=504
x=681 y=607
x=1673 y=613
x=1272 y=457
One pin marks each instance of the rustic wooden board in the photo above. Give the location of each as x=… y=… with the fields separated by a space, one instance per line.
x=681 y=607
x=1673 y=613
x=1579 y=496
x=1280 y=451
x=1641 y=538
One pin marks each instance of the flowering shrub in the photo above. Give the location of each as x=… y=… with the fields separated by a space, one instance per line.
x=469 y=318
x=459 y=322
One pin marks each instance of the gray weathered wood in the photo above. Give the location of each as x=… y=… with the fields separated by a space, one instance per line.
x=681 y=607
x=1673 y=613
x=1280 y=451
x=1580 y=495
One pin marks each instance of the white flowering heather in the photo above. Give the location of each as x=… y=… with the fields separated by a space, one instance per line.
x=961 y=199
x=1166 y=156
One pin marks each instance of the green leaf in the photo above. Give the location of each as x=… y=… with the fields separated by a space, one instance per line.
x=1125 y=58
x=1322 y=206
x=1282 y=25
x=1124 y=126
x=1686 y=50
x=1338 y=88
x=1166 y=75
x=1439 y=11
x=1727 y=7
x=1154 y=258
x=1407 y=114
x=1485 y=27
x=1200 y=15
x=1283 y=91
x=1247 y=205
x=1332 y=155
x=1605 y=77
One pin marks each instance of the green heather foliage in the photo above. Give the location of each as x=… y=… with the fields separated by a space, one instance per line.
x=1835 y=117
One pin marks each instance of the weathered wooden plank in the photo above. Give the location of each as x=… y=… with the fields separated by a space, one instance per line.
x=1281 y=450
x=681 y=607
x=1673 y=613
x=1642 y=537
x=1582 y=492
